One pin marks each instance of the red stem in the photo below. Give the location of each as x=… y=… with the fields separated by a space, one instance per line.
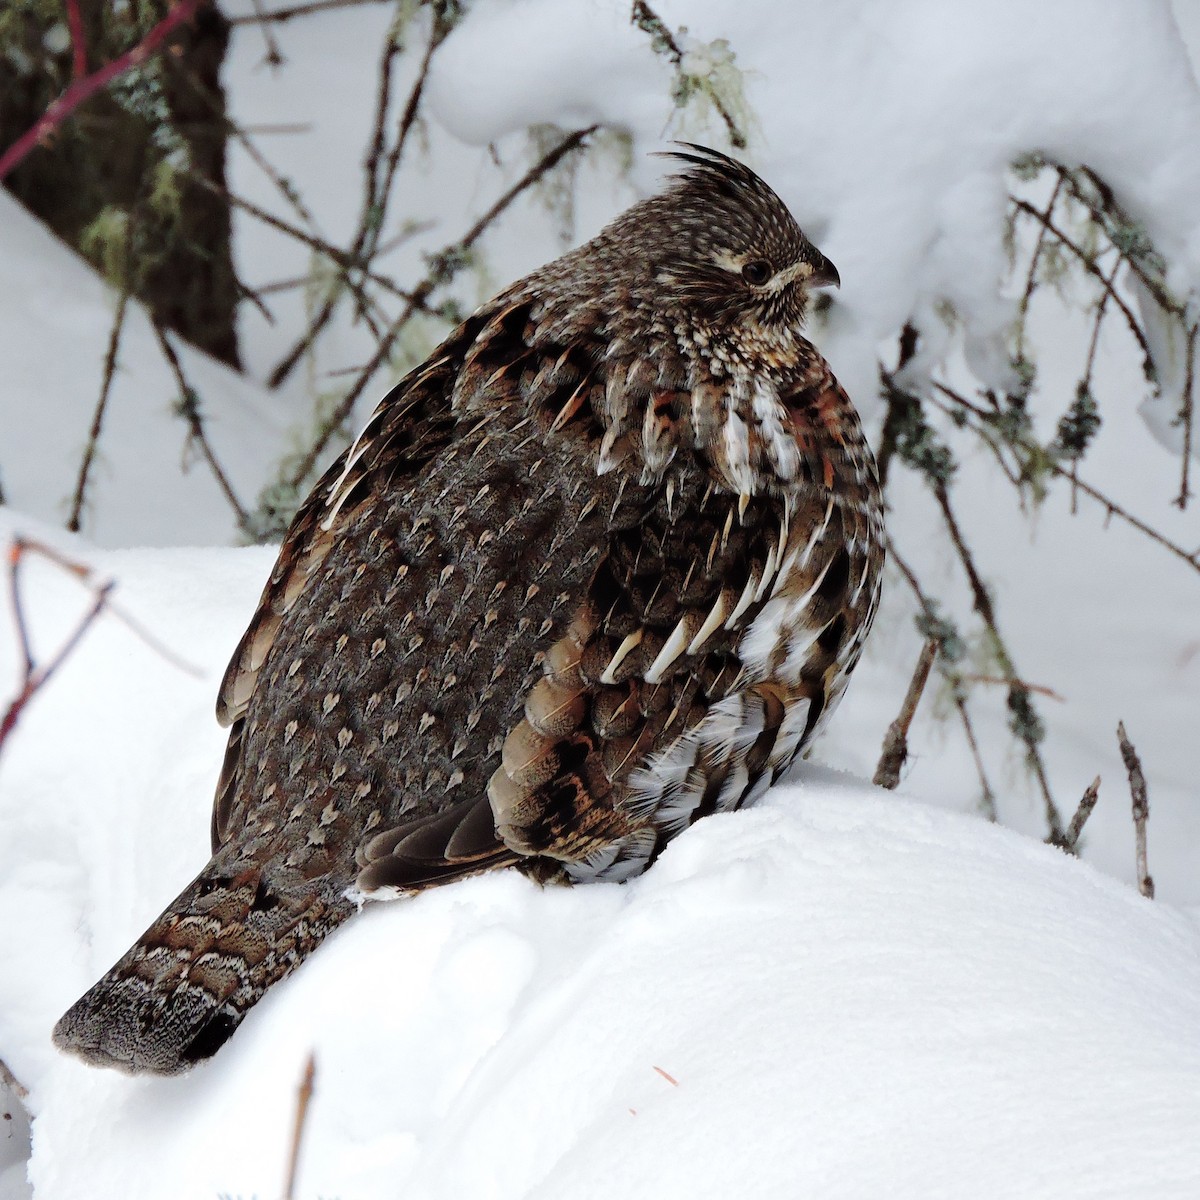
x=78 y=46
x=83 y=89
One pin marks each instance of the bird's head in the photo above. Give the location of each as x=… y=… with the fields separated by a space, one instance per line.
x=721 y=245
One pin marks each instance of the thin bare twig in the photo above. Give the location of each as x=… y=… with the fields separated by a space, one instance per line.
x=189 y=408
x=446 y=265
x=299 y=10
x=84 y=89
x=1018 y=693
x=377 y=190
x=35 y=677
x=1187 y=417
x=1031 y=277
x=1070 y=839
x=895 y=741
x=1192 y=558
x=1141 y=808
x=274 y=57
x=1039 y=689
x=1091 y=266
x=303 y=1098
x=987 y=798
x=78 y=41
x=11 y=1082
x=110 y=367
x=648 y=21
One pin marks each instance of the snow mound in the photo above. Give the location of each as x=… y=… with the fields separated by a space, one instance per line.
x=840 y=993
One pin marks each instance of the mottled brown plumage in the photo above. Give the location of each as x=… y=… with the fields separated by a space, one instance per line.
x=601 y=566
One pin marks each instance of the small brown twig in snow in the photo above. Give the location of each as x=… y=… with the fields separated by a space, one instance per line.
x=1070 y=837
x=1141 y=808
x=10 y=1081
x=303 y=1098
x=895 y=741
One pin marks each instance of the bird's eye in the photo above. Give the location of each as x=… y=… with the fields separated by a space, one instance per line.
x=757 y=271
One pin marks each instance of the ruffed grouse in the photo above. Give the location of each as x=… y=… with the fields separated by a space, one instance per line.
x=600 y=566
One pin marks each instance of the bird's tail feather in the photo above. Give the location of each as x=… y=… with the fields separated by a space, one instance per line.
x=177 y=995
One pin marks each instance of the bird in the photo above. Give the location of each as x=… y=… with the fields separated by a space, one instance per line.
x=600 y=566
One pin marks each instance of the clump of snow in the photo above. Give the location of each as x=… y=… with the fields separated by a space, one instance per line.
x=888 y=129
x=842 y=993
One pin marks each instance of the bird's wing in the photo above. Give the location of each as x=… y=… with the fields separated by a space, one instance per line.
x=663 y=581
x=411 y=423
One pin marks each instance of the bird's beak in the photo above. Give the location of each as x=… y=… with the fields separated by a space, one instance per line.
x=825 y=274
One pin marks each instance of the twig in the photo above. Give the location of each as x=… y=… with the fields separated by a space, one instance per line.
x=83 y=89
x=1186 y=415
x=274 y=58
x=377 y=190
x=110 y=366
x=987 y=799
x=303 y=1098
x=1141 y=808
x=299 y=10
x=895 y=741
x=1070 y=838
x=1018 y=693
x=1110 y=212
x=1031 y=278
x=446 y=265
x=190 y=410
x=648 y=21
x=33 y=677
x=78 y=41
x=1090 y=265
x=11 y=1082
x=1192 y=558
x=1039 y=688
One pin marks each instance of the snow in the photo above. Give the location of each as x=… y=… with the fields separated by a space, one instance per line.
x=852 y=994
x=57 y=316
x=842 y=993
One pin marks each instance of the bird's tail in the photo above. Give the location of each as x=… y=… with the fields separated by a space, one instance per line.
x=177 y=995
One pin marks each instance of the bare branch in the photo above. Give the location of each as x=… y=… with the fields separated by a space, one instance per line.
x=78 y=41
x=303 y=1098
x=1070 y=839
x=34 y=678
x=189 y=409
x=1090 y=265
x=84 y=89
x=1018 y=693
x=1141 y=808
x=895 y=742
x=10 y=1081
x=987 y=798
x=1031 y=276
x=1187 y=417
x=445 y=266
x=648 y=21
x=299 y=10
x=110 y=366
x=1192 y=558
